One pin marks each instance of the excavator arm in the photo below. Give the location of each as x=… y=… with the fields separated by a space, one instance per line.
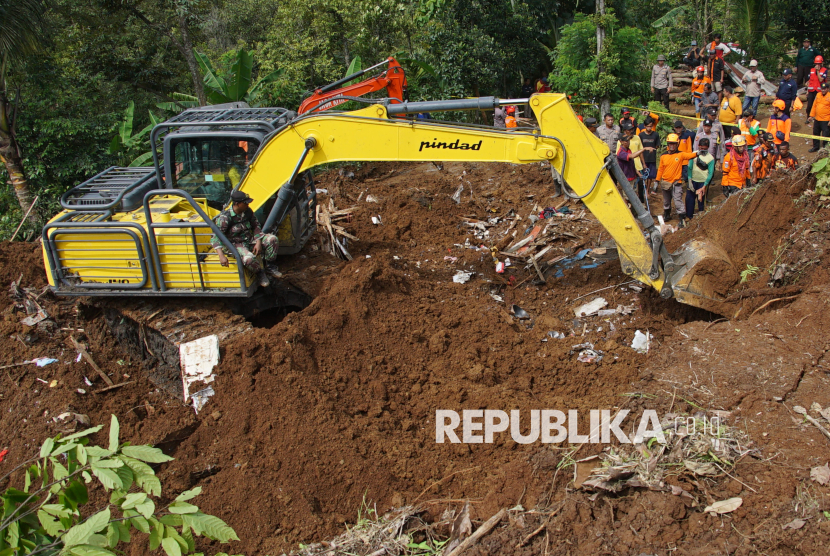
x=127 y=231
x=374 y=134
x=330 y=96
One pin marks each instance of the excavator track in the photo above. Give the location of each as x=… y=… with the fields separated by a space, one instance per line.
x=150 y=330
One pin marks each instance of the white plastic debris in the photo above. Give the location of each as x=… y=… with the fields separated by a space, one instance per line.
x=457 y=195
x=500 y=268
x=201 y=397
x=498 y=298
x=462 y=277
x=591 y=307
x=43 y=361
x=589 y=356
x=376 y=220
x=320 y=191
x=640 y=342
x=371 y=199
x=198 y=358
x=555 y=335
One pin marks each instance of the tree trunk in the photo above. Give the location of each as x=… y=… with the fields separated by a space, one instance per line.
x=605 y=102
x=10 y=155
x=192 y=65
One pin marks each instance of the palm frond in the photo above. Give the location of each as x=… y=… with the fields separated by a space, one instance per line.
x=670 y=16
x=21 y=22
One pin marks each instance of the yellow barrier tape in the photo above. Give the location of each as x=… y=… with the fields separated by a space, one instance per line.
x=792 y=133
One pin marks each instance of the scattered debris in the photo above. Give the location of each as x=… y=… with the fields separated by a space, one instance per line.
x=824 y=412
x=795 y=524
x=197 y=359
x=334 y=236
x=457 y=195
x=801 y=411
x=42 y=361
x=371 y=199
x=700 y=444
x=462 y=277
x=519 y=313
x=821 y=474
x=591 y=307
x=82 y=350
x=724 y=506
x=201 y=397
x=376 y=220
x=640 y=343
x=462 y=527
x=555 y=335
x=590 y=356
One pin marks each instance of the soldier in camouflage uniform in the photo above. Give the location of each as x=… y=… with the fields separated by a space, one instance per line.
x=241 y=227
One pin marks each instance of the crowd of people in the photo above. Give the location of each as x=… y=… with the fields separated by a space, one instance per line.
x=729 y=137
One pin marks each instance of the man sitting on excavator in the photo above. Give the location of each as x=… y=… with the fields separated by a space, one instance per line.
x=241 y=227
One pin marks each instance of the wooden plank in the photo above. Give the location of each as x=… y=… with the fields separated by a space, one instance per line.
x=82 y=350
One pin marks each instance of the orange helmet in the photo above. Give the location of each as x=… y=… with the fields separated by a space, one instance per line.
x=511 y=109
x=780 y=104
x=819 y=60
x=701 y=69
x=672 y=138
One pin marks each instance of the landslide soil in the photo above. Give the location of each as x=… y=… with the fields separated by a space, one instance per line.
x=335 y=404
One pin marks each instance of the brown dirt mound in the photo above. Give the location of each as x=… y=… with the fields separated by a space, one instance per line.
x=336 y=403
x=751 y=228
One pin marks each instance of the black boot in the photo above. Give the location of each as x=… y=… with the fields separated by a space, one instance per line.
x=667 y=215
x=682 y=223
x=272 y=269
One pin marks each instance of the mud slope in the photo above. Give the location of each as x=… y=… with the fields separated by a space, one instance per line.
x=335 y=404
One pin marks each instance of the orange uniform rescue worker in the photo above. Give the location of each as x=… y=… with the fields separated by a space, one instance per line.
x=670 y=178
x=779 y=123
x=735 y=167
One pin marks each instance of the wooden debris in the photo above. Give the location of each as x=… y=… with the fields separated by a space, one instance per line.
x=326 y=218
x=82 y=350
x=113 y=387
x=801 y=411
x=485 y=528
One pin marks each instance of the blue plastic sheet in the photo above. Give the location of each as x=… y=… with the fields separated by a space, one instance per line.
x=576 y=260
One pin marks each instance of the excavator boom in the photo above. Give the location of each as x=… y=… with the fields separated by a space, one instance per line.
x=164 y=246
x=330 y=96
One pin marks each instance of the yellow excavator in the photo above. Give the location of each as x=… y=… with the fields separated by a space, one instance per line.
x=146 y=231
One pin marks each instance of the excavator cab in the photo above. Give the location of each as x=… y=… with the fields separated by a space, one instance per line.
x=210 y=167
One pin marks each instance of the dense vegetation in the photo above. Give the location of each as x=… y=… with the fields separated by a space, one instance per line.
x=81 y=79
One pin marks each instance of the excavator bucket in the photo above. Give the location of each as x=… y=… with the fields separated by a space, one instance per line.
x=704 y=273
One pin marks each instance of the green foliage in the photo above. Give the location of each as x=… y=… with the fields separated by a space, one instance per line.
x=235 y=84
x=127 y=146
x=821 y=169
x=577 y=64
x=748 y=273
x=46 y=518
x=670 y=17
x=21 y=23
x=804 y=18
